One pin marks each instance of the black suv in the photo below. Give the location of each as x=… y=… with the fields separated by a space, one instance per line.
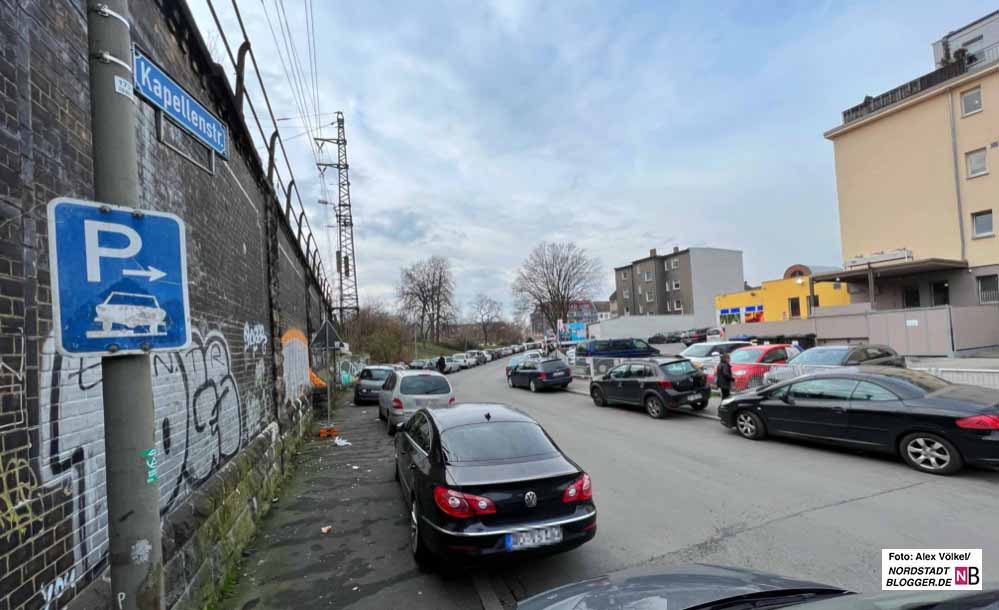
x=537 y=376
x=656 y=384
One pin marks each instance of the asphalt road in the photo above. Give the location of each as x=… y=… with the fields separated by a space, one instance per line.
x=685 y=489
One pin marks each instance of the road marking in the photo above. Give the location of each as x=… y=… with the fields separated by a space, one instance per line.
x=487 y=595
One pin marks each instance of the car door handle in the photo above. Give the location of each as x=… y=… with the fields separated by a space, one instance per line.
x=412 y=465
x=839 y=409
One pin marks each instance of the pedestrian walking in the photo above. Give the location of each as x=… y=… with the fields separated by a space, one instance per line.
x=441 y=365
x=724 y=377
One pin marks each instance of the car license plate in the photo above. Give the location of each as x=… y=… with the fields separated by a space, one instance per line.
x=542 y=536
x=559 y=374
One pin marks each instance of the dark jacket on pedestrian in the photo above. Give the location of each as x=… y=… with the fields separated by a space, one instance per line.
x=723 y=375
x=441 y=364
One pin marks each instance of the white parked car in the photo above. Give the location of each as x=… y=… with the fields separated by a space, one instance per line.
x=464 y=361
x=708 y=355
x=534 y=354
x=406 y=392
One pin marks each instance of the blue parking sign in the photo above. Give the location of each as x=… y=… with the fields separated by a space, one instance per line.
x=119 y=279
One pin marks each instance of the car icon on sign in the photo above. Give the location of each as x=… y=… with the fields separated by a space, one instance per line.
x=133 y=311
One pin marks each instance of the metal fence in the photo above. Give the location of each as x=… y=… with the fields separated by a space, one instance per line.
x=749 y=376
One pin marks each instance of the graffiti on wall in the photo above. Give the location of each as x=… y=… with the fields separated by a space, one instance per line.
x=295 y=351
x=202 y=419
x=18 y=485
x=350 y=368
x=254 y=337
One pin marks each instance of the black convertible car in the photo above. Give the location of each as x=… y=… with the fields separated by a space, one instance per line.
x=934 y=425
x=485 y=479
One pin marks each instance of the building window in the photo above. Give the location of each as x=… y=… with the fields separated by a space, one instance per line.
x=649 y=297
x=675 y=263
x=647 y=276
x=667 y=285
x=668 y=307
x=794 y=307
x=678 y=305
x=910 y=297
x=638 y=289
x=627 y=294
x=676 y=284
x=981 y=223
x=976 y=163
x=971 y=101
x=641 y=310
x=988 y=289
x=815 y=300
x=624 y=275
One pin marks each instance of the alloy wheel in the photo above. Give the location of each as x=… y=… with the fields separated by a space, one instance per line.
x=746 y=425
x=928 y=453
x=414 y=529
x=509 y=381
x=654 y=407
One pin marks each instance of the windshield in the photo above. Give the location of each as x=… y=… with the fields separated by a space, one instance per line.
x=375 y=374
x=496 y=441
x=746 y=355
x=824 y=355
x=424 y=384
x=698 y=350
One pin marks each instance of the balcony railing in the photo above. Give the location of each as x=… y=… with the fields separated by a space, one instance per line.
x=952 y=70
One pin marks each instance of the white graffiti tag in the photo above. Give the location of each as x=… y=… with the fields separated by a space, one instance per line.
x=254 y=338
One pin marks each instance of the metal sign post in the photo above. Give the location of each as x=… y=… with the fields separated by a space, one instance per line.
x=327 y=340
x=114 y=298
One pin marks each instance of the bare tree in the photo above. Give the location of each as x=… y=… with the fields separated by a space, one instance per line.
x=486 y=312
x=553 y=277
x=426 y=296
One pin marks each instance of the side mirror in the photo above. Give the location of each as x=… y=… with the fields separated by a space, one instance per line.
x=787 y=399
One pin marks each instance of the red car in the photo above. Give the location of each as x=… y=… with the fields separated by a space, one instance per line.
x=750 y=364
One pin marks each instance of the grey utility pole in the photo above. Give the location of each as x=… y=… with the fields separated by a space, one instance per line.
x=136 y=553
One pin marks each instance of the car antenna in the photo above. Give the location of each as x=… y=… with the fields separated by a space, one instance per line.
x=488 y=416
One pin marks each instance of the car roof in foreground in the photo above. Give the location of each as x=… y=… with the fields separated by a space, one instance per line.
x=466 y=413
x=411 y=373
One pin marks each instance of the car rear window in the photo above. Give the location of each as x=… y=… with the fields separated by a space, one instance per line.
x=495 y=441
x=375 y=374
x=746 y=355
x=822 y=356
x=682 y=367
x=553 y=365
x=424 y=384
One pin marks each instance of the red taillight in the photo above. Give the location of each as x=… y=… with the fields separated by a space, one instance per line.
x=542 y=376
x=580 y=489
x=665 y=384
x=460 y=505
x=396 y=404
x=979 y=422
x=450 y=401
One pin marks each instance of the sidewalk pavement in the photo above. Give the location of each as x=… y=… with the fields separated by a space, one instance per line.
x=364 y=562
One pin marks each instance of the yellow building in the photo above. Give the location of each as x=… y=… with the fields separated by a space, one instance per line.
x=915 y=182
x=783 y=299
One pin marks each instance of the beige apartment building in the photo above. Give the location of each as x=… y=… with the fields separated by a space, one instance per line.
x=917 y=175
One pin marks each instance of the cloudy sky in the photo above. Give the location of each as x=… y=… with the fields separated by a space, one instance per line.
x=478 y=129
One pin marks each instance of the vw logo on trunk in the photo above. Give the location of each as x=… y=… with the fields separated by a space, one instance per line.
x=531 y=499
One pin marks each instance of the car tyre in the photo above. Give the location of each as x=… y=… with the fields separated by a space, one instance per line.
x=750 y=425
x=421 y=554
x=655 y=407
x=509 y=381
x=381 y=414
x=930 y=453
x=598 y=397
x=389 y=428
x=700 y=405
x=534 y=386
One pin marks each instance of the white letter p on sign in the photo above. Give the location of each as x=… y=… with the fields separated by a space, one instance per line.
x=92 y=230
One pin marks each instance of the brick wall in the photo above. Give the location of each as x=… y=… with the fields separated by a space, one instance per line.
x=228 y=408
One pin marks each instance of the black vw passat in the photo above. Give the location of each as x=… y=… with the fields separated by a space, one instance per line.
x=485 y=479
x=934 y=425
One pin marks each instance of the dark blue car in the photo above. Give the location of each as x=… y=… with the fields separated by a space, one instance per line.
x=615 y=348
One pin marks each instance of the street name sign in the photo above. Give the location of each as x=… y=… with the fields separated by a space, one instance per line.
x=119 y=279
x=163 y=92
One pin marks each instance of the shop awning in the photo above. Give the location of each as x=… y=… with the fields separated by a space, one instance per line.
x=859 y=274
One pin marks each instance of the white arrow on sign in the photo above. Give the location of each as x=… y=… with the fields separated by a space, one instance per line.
x=152 y=273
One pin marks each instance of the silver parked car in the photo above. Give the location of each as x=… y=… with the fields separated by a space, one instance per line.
x=406 y=392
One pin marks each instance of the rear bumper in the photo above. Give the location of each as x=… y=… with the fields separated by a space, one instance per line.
x=675 y=397
x=558 y=382
x=481 y=541
x=982 y=451
x=360 y=396
x=396 y=417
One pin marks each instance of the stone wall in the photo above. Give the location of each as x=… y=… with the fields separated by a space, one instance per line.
x=230 y=408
